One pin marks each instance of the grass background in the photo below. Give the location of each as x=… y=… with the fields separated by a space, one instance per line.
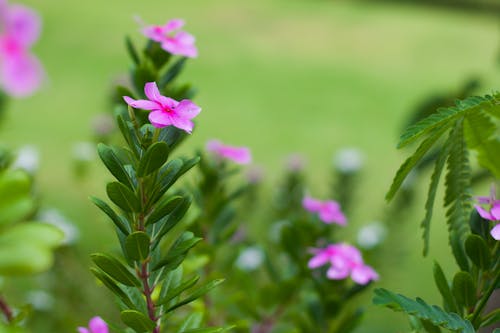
x=279 y=76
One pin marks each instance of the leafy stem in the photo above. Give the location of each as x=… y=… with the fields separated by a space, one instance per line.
x=6 y=310
x=485 y=298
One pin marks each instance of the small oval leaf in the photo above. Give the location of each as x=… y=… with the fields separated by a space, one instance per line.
x=164 y=208
x=153 y=159
x=114 y=268
x=137 y=321
x=464 y=289
x=137 y=245
x=478 y=251
x=123 y=197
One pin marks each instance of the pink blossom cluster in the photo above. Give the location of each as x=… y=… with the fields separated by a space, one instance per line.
x=20 y=72
x=172 y=39
x=492 y=213
x=345 y=260
x=328 y=211
x=165 y=111
x=239 y=155
x=96 y=325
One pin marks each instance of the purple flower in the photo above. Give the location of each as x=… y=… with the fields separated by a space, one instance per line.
x=239 y=155
x=20 y=72
x=165 y=111
x=172 y=39
x=492 y=212
x=328 y=211
x=345 y=260
x=96 y=325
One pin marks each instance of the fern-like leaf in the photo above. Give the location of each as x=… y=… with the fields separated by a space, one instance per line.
x=457 y=195
x=431 y=196
x=413 y=160
x=420 y=309
x=446 y=116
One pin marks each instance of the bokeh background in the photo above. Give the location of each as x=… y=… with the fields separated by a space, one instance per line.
x=279 y=76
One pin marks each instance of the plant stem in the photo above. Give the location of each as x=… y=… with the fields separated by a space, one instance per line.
x=6 y=310
x=485 y=298
x=148 y=291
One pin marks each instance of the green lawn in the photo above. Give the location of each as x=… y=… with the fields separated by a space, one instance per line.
x=279 y=76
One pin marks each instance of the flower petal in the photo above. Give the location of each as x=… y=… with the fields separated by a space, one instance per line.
x=152 y=92
x=182 y=123
x=23 y=24
x=21 y=74
x=337 y=273
x=187 y=109
x=318 y=260
x=310 y=204
x=173 y=24
x=484 y=213
x=97 y=325
x=160 y=119
x=83 y=330
x=495 y=232
x=143 y=104
x=363 y=274
x=495 y=211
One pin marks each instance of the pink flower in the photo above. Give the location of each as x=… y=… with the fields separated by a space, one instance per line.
x=165 y=111
x=328 y=211
x=20 y=72
x=172 y=40
x=493 y=211
x=96 y=325
x=345 y=260
x=240 y=155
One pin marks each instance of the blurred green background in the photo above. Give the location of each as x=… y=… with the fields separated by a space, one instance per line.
x=279 y=76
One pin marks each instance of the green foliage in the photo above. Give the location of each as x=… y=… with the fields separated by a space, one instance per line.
x=147 y=280
x=470 y=127
x=422 y=310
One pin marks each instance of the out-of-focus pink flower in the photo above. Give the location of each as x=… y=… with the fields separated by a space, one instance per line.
x=345 y=260
x=295 y=162
x=20 y=72
x=165 y=111
x=240 y=155
x=492 y=212
x=172 y=39
x=328 y=211
x=96 y=325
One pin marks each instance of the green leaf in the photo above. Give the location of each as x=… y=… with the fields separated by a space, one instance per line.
x=166 y=178
x=191 y=322
x=206 y=330
x=114 y=164
x=491 y=318
x=181 y=246
x=123 y=197
x=113 y=287
x=172 y=219
x=431 y=196
x=174 y=292
x=444 y=289
x=137 y=321
x=413 y=160
x=478 y=252
x=16 y=202
x=132 y=51
x=137 y=245
x=153 y=159
x=172 y=72
x=445 y=116
x=119 y=223
x=422 y=310
x=457 y=194
x=196 y=294
x=166 y=206
x=488 y=156
x=115 y=269
x=128 y=132
x=464 y=289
